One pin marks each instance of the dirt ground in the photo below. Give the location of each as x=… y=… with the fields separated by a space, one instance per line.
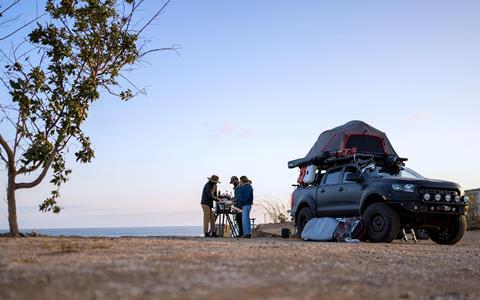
x=261 y=268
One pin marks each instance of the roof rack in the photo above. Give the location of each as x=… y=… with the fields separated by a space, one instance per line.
x=328 y=160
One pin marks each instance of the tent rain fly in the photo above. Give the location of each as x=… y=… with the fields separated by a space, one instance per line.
x=354 y=135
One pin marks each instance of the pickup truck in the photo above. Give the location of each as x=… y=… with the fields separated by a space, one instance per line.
x=386 y=203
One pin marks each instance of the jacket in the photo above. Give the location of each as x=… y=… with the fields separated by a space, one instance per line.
x=244 y=195
x=207 y=194
x=235 y=192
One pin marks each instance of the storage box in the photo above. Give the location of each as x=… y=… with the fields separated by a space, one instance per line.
x=310 y=173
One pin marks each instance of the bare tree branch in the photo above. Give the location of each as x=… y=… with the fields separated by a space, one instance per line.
x=173 y=48
x=158 y=13
x=24 y=170
x=9 y=7
x=21 y=27
x=46 y=167
x=3 y=158
x=9 y=152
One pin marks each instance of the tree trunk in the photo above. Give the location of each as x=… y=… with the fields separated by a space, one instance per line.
x=12 y=205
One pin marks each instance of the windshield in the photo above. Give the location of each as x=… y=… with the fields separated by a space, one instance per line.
x=404 y=173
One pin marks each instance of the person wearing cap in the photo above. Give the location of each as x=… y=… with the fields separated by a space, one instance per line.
x=245 y=201
x=238 y=216
x=208 y=196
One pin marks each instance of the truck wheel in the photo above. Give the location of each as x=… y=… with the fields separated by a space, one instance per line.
x=303 y=217
x=382 y=223
x=453 y=234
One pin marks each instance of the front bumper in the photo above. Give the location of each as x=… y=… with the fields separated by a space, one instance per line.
x=433 y=208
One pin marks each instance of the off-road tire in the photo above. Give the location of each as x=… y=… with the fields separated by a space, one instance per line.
x=382 y=223
x=452 y=235
x=304 y=215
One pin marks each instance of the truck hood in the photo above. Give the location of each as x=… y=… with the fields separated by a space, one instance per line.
x=425 y=182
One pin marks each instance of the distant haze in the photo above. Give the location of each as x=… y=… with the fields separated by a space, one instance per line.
x=254 y=85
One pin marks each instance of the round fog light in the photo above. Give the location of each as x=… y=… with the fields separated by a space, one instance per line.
x=448 y=198
x=426 y=197
x=438 y=197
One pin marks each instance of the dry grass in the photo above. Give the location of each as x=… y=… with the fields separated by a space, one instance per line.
x=83 y=245
x=26 y=260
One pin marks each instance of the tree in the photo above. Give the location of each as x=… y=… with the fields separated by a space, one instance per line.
x=79 y=53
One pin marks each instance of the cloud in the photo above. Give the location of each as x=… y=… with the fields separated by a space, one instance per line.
x=217 y=131
x=420 y=117
x=212 y=138
x=247 y=133
x=227 y=128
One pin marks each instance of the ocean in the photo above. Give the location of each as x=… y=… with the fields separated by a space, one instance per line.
x=119 y=231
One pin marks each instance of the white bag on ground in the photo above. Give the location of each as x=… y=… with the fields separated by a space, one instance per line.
x=320 y=229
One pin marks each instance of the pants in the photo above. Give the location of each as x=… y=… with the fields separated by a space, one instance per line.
x=238 y=219
x=246 y=219
x=208 y=218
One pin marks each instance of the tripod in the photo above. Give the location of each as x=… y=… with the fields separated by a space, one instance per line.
x=226 y=220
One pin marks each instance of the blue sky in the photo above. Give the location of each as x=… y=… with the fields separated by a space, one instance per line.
x=254 y=84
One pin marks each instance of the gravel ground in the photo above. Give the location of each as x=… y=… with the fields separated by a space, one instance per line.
x=260 y=268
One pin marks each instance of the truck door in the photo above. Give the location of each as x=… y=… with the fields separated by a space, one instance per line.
x=327 y=192
x=349 y=194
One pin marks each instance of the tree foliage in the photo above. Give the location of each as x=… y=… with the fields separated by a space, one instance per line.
x=74 y=57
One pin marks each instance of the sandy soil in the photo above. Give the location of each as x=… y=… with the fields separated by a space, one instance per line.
x=261 y=268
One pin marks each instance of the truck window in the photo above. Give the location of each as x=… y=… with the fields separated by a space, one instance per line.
x=319 y=176
x=349 y=170
x=333 y=177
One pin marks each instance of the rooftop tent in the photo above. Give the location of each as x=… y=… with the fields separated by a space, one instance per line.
x=352 y=135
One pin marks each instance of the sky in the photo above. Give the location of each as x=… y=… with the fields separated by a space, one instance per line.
x=253 y=85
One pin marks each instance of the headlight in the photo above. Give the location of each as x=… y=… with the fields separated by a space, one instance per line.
x=410 y=188
x=426 y=197
x=466 y=199
x=448 y=198
x=457 y=198
x=438 y=197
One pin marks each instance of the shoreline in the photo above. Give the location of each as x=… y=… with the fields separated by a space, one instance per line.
x=263 y=230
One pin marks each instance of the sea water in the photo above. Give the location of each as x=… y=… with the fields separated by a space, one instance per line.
x=119 y=231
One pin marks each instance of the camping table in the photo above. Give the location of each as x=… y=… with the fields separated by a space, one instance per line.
x=224 y=219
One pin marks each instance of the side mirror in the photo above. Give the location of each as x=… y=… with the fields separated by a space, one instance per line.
x=353 y=177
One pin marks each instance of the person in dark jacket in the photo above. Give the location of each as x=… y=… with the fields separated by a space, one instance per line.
x=238 y=216
x=245 y=200
x=208 y=196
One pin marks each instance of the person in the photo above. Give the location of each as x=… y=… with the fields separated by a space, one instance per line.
x=238 y=216
x=208 y=196
x=245 y=200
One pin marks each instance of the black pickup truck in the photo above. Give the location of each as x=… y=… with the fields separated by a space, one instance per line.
x=386 y=203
